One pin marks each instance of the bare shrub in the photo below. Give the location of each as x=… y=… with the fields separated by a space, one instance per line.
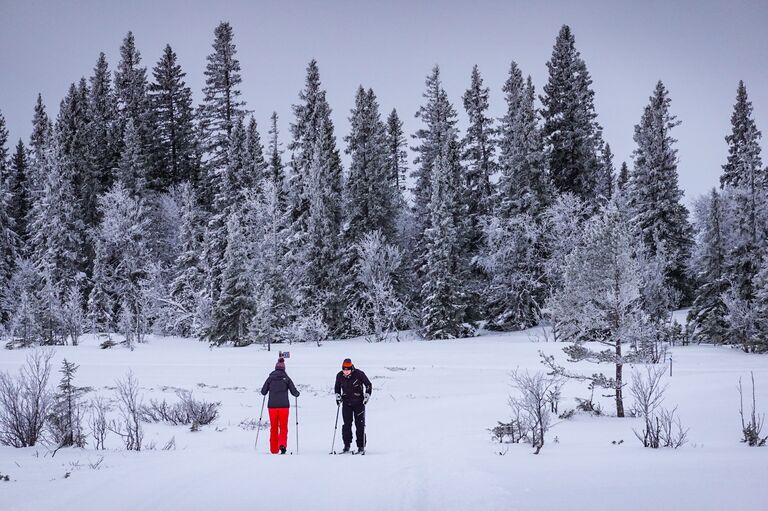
x=187 y=410
x=662 y=427
x=128 y=425
x=534 y=405
x=751 y=428
x=25 y=401
x=97 y=420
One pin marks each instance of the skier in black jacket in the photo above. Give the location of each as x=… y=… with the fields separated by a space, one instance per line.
x=278 y=384
x=353 y=390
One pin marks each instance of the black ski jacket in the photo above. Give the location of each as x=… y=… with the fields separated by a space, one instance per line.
x=278 y=384
x=353 y=387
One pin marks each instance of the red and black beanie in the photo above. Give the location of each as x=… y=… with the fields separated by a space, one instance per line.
x=280 y=366
x=347 y=364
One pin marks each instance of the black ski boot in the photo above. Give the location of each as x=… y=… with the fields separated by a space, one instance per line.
x=282 y=449
x=360 y=450
x=346 y=449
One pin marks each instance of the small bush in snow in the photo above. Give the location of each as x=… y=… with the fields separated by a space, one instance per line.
x=187 y=410
x=533 y=408
x=98 y=422
x=25 y=401
x=128 y=425
x=751 y=428
x=662 y=428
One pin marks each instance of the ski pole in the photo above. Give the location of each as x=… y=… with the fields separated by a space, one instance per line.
x=297 y=424
x=336 y=426
x=258 y=429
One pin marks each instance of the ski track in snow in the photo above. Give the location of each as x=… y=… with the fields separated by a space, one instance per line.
x=428 y=440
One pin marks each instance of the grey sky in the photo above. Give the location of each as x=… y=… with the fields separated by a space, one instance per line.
x=699 y=49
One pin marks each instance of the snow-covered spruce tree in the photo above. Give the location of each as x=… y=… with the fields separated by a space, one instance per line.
x=275 y=171
x=122 y=251
x=571 y=132
x=19 y=301
x=256 y=167
x=132 y=170
x=434 y=139
x=234 y=306
x=267 y=223
x=72 y=314
x=744 y=179
x=133 y=104
x=524 y=186
x=100 y=308
x=761 y=309
x=708 y=264
x=315 y=205
x=369 y=197
x=396 y=150
x=55 y=242
x=228 y=192
x=188 y=284
x=65 y=420
x=516 y=290
x=509 y=151
x=479 y=147
x=443 y=300
x=42 y=129
x=605 y=179
x=222 y=104
x=171 y=102
x=19 y=189
x=379 y=310
x=4 y=152
x=622 y=180
x=601 y=299
x=654 y=194
x=322 y=280
x=104 y=139
x=50 y=309
x=8 y=246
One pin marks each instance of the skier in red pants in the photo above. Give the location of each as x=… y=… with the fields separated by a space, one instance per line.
x=278 y=385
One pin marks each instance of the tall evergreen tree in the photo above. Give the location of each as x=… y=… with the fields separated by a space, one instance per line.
x=745 y=179
x=479 y=148
x=444 y=303
x=276 y=172
x=171 y=102
x=524 y=187
x=104 y=139
x=18 y=187
x=132 y=170
x=41 y=131
x=605 y=185
x=570 y=128
x=508 y=141
x=623 y=178
x=396 y=151
x=708 y=312
x=222 y=104
x=8 y=237
x=4 y=153
x=256 y=166
x=655 y=197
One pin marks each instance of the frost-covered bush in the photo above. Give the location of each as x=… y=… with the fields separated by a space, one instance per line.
x=752 y=426
x=187 y=410
x=662 y=428
x=532 y=408
x=25 y=401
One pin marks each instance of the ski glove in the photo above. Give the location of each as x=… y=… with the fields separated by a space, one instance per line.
x=366 y=398
x=338 y=399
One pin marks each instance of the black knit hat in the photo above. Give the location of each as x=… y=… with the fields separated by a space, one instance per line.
x=280 y=366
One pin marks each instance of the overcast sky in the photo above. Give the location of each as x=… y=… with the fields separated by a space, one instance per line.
x=699 y=49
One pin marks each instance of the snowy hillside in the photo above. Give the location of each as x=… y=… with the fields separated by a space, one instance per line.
x=428 y=441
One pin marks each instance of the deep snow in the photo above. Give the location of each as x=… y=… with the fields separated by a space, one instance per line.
x=428 y=440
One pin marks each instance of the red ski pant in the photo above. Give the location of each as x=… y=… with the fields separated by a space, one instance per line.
x=278 y=433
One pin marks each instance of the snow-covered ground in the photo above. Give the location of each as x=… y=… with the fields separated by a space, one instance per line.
x=428 y=440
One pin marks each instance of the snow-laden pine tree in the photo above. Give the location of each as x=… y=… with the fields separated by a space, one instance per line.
x=396 y=151
x=479 y=147
x=744 y=179
x=132 y=168
x=370 y=201
x=171 y=102
x=233 y=309
x=55 y=235
x=256 y=167
x=104 y=139
x=605 y=180
x=275 y=171
x=18 y=187
x=133 y=104
x=42 y=129
x=187 y=289
x=222 y=103
x=100 y=307
x=122 y=261
x=601 y=299
x=18 y=300
x=622 y=180
x=708 y=265
x=443 y=299
x=524 y=186
x=571 y=131
x=654 y=193
x=4 y=151
x=267 y=222
x=9 y=243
